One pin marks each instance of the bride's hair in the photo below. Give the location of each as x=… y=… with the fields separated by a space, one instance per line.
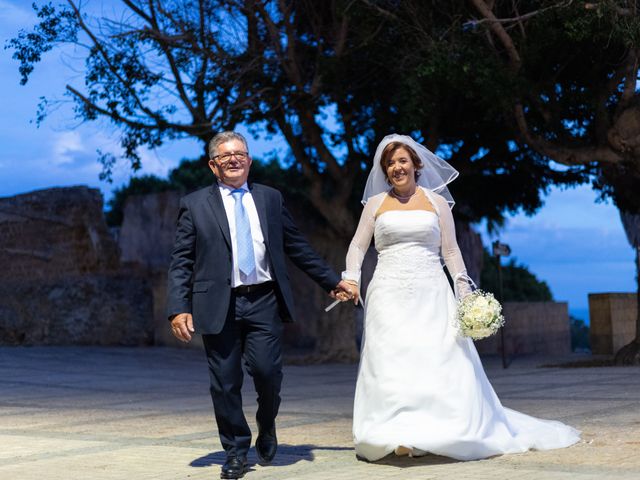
x=390 y=149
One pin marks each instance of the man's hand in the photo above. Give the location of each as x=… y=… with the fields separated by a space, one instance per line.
x=182 y=326
x=346 y=290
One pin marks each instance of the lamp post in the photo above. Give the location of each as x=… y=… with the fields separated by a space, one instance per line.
x=501 y=250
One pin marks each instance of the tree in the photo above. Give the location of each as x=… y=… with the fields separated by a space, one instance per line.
x=192 y=175
x=450 y=94
x=576 y=100
x=167 y=69
x=137 y=186
x=580 y=341
x=518 y=283
x=327 y=76
x=630 y=353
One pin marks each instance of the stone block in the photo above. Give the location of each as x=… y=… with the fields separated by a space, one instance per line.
x=53 y=233
x=62 y=279
x=148 y=229
x=532 y=327
x=612 y=318
x=161 y=327
x=95 y=309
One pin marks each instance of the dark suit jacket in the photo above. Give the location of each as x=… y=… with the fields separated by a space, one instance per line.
x=200 y=273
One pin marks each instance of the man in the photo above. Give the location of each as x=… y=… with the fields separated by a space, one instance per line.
x=228 y=281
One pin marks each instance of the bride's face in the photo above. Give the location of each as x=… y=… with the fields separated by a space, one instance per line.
x=400 y=169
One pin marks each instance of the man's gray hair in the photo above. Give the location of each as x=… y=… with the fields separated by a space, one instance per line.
x=224 y=137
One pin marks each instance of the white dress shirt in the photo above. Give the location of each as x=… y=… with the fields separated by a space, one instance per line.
x=262 y=273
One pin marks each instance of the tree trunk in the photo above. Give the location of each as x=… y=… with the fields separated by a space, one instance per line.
x=336 y=329
x=320 y=336
x=630 y=353
x=471 y=248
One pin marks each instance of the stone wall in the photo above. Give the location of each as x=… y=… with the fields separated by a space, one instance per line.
x=67 y=281
x=63 y=282
x=89 y=309
x=612 y=318
x=54 y=232
x=532 y=327
x=145 y=240
x=148 y=229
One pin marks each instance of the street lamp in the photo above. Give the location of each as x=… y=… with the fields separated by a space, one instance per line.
x=501 y=250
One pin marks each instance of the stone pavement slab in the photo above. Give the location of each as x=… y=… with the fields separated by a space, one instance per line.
x=105 y=413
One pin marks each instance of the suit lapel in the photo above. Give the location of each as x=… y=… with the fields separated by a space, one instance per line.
x=260 y=201
x=215 y=201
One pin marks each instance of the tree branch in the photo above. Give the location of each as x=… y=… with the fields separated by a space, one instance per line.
x=630 y=81
x=191 y=129
x=517 y=19
x=562 y=154
x=172 y=65
x=500 y=32
x=103 y=53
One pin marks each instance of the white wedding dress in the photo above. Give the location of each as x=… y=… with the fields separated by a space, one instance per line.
x=420 y=385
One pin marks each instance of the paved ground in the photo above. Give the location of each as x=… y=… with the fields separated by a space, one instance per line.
x=144 y=413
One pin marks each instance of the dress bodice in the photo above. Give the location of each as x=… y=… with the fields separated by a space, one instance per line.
x=407 y=228
x=408 y=242
x=406 y=239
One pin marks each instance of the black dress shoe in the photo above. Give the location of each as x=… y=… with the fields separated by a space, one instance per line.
x=234 y=467
x=266 y=445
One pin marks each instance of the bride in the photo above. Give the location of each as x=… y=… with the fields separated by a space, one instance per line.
x=421 y=387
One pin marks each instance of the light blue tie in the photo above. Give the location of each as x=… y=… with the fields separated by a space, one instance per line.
x=244 y=240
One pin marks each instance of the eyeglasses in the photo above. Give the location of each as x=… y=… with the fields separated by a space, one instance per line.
x=226 y=157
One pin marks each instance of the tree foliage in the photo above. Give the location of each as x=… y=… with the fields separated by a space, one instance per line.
x=578 y=101
x=326 y=76
x=137 y=186
x=517 y=95
x=518 y=283
x=192 y=175
x=580 y=340
x=561 y=77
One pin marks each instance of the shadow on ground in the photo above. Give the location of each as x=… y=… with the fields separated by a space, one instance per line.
x=393 y=460
x=287 y=455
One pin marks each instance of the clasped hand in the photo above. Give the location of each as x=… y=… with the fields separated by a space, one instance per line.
x=346 y=290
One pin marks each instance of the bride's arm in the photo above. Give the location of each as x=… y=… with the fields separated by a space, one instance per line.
x=450 y=250
x=361 y=240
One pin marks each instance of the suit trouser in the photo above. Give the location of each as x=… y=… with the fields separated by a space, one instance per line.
x=253 y=332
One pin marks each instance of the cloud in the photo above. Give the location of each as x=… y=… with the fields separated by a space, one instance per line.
x=574 y=244
x=573 y=283
x=546 y=243
x=574 y=261
x=14 y=17
x=66 y=146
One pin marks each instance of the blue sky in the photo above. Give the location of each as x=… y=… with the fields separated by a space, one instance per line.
x=576 y=245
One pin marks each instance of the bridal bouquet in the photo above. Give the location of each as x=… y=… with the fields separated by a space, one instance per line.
x=479 y=315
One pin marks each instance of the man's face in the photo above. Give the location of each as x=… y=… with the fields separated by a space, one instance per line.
x=231 y=163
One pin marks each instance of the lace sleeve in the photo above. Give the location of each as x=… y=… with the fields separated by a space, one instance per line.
x=362 y=239
x=450 y=250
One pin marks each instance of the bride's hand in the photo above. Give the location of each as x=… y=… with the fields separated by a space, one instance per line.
x=347 y=290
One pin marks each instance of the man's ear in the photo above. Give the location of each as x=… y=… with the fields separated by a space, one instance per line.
x=213 y=167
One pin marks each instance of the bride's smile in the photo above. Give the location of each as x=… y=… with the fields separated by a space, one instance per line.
x=401 y=171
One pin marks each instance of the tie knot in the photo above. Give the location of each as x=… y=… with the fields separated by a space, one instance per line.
x=237 y=193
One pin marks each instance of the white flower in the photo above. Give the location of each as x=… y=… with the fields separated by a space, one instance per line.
x=479 y=315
